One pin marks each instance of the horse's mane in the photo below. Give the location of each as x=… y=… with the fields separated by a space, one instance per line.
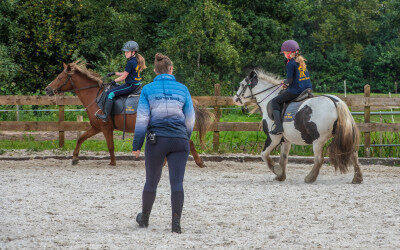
x=80 y=66
x=268 y=77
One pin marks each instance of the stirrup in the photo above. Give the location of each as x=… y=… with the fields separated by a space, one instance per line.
x=276 y=133
x=99 y=116
x=96 y=114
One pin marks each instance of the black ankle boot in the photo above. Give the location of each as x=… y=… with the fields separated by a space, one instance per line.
x=107 y=110
x=143 y=219
x=277 y=123
x=176 y=224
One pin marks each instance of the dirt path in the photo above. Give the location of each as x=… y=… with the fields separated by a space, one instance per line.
x=51 y=204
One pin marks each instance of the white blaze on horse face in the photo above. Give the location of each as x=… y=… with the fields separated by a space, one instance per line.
x=238 y=98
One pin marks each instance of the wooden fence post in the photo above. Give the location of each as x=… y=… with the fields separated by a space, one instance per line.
x=17 y=112
x=367 y=116
x=61 y=118
x=217 y=112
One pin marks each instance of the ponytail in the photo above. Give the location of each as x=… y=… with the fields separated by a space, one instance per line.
x=141 y=61
x=301 y=60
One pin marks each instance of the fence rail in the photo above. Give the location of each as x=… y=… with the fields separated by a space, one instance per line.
x=352 y=101
x=355 y=102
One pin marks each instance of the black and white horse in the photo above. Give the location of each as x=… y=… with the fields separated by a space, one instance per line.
x=316 y=121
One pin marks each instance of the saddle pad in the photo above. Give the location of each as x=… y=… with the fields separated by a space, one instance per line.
x=291 y=111
x=129 y=104
x=121 y=103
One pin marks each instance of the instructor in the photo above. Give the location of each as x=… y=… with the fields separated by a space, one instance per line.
x=165 y=113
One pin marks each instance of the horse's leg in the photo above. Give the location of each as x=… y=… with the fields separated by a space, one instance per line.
x=358 y=176
x=283 y=159
x=195 y=155
x=91 y=132
x=108 y=134
x=270 y=144
x=318 y=149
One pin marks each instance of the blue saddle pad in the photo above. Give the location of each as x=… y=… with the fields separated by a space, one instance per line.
x=291 y=111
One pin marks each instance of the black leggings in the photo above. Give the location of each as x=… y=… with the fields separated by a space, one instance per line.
x=278 y=101
x=176 y=150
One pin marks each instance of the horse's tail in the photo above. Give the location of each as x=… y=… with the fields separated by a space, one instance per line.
x=204 y=119
x=346 y=139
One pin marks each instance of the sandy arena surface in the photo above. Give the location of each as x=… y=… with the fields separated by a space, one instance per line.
x=51 y=204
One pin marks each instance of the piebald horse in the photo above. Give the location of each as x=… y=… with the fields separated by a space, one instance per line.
x=317 y=120
x=87 y=85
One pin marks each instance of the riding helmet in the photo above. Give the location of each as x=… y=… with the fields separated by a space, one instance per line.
x=290 y=45
x=131 y=46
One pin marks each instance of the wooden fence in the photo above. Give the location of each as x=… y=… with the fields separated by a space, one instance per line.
x=355 y=102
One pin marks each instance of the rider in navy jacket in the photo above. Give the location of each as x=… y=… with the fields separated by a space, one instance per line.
x=134 y=65
x=298 y=80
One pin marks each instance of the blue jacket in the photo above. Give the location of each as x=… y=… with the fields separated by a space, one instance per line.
x=300 y=77
x=165 y=108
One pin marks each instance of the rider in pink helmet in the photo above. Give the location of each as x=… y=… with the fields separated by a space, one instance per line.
x=297 y=80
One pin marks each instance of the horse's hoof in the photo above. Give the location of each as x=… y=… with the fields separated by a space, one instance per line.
x=357 y=180
x=280 y=178
x=113 y=164
x=202 y=165
x=309 y=179
x=75 y=161
x=278 y=170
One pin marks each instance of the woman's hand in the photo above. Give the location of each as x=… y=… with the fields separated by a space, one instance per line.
x=136 y=153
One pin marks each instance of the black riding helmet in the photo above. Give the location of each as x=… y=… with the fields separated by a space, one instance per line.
x=131 y=46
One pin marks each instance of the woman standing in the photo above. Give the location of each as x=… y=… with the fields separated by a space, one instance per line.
x=166 y=115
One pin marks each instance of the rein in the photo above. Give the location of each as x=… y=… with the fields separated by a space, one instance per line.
x=269 y=93
x=252 y=95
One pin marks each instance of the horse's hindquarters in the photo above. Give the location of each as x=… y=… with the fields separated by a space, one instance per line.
x=314 y=121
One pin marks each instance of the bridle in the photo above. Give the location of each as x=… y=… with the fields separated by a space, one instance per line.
x=251 y=82
x=69 y=79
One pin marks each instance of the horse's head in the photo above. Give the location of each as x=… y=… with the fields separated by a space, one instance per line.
x=246 y=88
x=62 y=83
x=257 y=85
x=75 y=77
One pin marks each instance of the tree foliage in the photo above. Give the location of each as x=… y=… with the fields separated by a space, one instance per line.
x=209 y=41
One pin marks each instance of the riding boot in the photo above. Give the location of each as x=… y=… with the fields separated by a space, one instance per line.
x=277 y=122
x=107 y=110
x=143 y=219
x=176 y=223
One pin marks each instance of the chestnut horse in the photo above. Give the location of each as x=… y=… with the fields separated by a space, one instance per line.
x=87 y=85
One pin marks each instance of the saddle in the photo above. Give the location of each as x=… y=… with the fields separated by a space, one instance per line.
x=289 y=109
x=125 y=104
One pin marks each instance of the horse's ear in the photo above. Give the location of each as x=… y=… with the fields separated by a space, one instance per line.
x=65 y=65
x=68 y=68
x=253 y=74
